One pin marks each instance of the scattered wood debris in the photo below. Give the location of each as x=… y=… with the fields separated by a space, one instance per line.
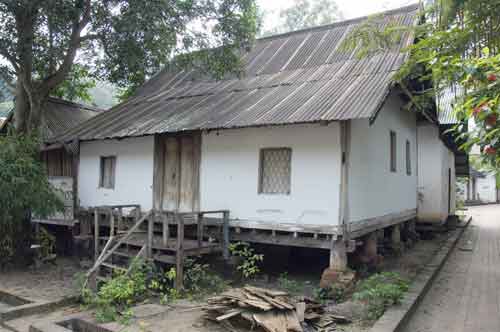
x=270 y=310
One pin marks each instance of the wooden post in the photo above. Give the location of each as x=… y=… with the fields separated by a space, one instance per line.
x=120 y=219
x=200 y=230
x=96 y=234
x=338 y=255
x=151 y=220
x=165 y=229
x=111 y=222
x=225 y=235
x=396 y=238
x=179 y=258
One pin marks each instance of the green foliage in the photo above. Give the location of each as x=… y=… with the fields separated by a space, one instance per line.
x=24 y=189
x=47 y=242
x=294 y=287
x=380 y=291
x=334 y=292
x=457 y=48
x=200 y=281
x=124 y=42
x=77 y=85
x=116 y=296
x=305 y=14
x=249 y=267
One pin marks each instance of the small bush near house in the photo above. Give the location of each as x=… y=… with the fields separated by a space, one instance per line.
x=293 y=287
x=115 y=298
x=249 y=266
x=380 y=291
x=24 y=190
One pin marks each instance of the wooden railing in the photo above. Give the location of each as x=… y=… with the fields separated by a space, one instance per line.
x=117 y=236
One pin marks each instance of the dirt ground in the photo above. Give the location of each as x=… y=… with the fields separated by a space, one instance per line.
x=48 y=283
x=54 y=282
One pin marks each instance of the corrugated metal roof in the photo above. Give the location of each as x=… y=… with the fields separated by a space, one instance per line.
x=446 y=102
x=62 y=115
x=296 y=77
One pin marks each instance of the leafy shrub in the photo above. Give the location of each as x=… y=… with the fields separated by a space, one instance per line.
x=116 y=296
x=199 y=280
x=250 y=265
x=24 y=189
x=293 y=287
x=47 y=242
x=381 y=291
x=334 y=292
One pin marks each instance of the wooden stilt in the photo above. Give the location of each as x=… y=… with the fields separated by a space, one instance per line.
x=111 y=223
x=150 y=235
x=179 y=278
x=225 y=235
x=199 y=234
x=165 y=229
x=96 y=234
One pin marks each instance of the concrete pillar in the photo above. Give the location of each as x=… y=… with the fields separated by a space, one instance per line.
x=338 y=255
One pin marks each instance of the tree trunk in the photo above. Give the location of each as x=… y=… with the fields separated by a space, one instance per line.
x=36 y=107
x=22 y=109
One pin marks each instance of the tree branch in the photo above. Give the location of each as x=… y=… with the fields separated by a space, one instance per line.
x=74 y=44
x=5 y=77
x=12 y=60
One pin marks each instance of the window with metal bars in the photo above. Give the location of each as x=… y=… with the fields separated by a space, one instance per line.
x=107 y=173
x=275 y=171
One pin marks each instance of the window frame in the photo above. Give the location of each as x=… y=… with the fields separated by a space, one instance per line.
x=408 y=158
x=102 y=183
x=260 y=187
x=393 y=157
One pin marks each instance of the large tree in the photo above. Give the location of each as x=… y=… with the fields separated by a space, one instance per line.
x=123 y=41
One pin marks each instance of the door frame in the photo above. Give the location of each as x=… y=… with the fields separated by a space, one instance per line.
x=159 y=165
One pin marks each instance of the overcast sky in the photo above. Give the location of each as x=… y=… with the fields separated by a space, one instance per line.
x=350 y=8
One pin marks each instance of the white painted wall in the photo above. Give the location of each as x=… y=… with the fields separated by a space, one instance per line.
x=434 y=161
x=373 y=189
x=134 y=172
x=486 y=188
x=230 y=171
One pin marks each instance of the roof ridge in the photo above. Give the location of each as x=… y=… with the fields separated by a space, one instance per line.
x=62 y=101
x=393 y=11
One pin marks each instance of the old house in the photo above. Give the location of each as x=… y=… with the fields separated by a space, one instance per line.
x=312 y=147
x=440 y=162
x=60 y=161
x=480 y=187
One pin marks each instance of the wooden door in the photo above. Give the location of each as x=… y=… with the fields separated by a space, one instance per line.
x=180 y=173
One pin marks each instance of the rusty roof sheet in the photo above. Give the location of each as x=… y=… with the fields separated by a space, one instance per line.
x=297 y=77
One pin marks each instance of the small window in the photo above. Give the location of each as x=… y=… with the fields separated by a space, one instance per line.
x=275 y=171
x=408 y=158
x=393 y=151
x=107 y=177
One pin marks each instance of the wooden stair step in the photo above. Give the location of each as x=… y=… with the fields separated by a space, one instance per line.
x=124 y=254
x=114 y=267
x=169 y=259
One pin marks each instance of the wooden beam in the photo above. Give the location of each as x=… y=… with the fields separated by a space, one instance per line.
x=366 y=226
x=165 y=229
x=96 y=234
x=199 y=230
x=150 y=235
x=284 y=240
